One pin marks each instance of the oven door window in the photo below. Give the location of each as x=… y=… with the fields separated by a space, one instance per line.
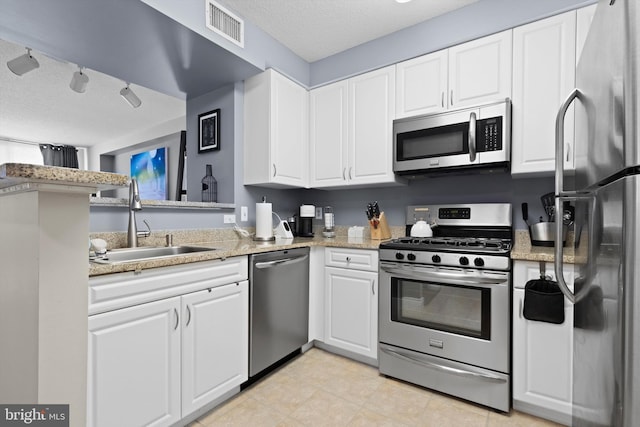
x=434 y=142
x=461 y=310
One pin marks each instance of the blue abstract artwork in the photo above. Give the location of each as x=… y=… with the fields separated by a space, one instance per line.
x=149 y=168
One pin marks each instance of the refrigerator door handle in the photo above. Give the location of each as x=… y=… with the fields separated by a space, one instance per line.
x=575 y=93
x=558 y=261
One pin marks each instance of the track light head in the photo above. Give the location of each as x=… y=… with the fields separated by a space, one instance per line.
x=79 y=81
x=130 y=97
x=23 y=63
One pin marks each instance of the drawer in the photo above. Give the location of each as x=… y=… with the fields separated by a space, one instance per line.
x=356 y=259
x=115 y=291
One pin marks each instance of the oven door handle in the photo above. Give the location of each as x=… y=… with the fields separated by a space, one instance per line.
x=442 y=368
x=447 y=278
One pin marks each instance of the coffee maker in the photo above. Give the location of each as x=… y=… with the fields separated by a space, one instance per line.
x=305 y=220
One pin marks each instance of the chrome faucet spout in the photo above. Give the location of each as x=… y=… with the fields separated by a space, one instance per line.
x=134 y=196
x=135 y=205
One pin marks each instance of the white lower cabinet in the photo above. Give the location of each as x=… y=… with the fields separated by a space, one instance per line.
x=215 y=343
x=155 y=363
x=542 y=354
x=351 y=303
x=134 y=366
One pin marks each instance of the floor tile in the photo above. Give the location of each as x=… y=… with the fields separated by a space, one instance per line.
x=325 y=409
x=319 y=388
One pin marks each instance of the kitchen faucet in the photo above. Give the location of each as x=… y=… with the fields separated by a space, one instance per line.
x=135 y=205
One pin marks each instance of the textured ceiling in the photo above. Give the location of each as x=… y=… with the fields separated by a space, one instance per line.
x=40 y=107
x=315 y=29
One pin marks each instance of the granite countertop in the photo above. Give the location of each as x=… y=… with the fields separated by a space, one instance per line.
x=225 y=246
x=16 y=177
x=524 y=251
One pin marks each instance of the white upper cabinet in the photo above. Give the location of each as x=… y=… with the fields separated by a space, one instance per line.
x=545 y=54
x=471 y=73
x=275 y=131
x=351 y=131
x=422 y=84
x=480 y=70
x=543 y=75
x=329 y=135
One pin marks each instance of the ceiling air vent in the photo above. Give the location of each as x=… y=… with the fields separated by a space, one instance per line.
x=224 y=23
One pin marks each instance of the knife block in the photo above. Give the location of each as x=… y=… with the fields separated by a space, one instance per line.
x=382 y=231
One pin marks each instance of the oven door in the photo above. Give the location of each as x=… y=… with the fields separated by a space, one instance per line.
x=454 y=313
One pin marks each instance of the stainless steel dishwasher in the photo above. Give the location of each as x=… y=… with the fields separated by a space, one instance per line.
x=279 y=306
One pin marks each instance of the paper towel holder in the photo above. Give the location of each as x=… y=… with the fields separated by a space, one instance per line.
x=264 y=238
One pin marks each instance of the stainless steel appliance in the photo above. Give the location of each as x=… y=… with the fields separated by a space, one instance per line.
x=466 y=138
x=278 y=306
x=606 y=346
x=444 y=303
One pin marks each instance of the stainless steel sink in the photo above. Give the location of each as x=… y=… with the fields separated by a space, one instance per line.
x=117 y=256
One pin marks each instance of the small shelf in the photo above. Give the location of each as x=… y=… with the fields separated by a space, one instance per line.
x=159 y=204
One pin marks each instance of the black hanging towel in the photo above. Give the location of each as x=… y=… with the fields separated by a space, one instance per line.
x=543 y=300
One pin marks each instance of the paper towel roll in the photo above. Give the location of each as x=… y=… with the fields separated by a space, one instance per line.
x=264 y=223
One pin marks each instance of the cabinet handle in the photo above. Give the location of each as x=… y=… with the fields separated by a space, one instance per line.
x=351 y=172
x=189 y=318
x=175 y=310
x=344 y=174
x=520 y=309
x=451 y=98
x=348 y=259
x=373 y=284
x=274 y=170
x=442 y=99
x=568 y=150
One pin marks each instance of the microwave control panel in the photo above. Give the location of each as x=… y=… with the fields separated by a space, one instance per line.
x=489 y=134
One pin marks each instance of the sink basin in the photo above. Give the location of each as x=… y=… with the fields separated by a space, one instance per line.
x=144 y=253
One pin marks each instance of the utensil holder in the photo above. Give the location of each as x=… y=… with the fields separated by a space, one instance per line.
x=382 y=231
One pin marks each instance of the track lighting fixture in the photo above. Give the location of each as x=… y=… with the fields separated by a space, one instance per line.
x=130 y=97
x=23 y=63
x=79 y=81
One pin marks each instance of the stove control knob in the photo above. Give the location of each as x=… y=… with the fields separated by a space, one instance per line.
x=399 y=255
x=411 y=257
x=478 y=262
x=436 y=258
x=464 y=260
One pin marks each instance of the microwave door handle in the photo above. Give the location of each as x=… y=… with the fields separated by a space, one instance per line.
x=472 y=137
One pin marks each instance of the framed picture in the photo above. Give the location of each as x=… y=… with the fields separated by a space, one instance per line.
x=149 y=168
x=209 y=131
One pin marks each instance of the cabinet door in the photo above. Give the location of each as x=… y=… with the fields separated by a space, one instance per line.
x=371 y=112
x=215 y=334
x=328 y=135
x=421 y=84
x=542 y=355
x=134 y=366
x=289 y=131
x=480 y=70
x=351 y=310
x=543 y=75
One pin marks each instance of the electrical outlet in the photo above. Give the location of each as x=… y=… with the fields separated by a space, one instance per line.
x=318 y=213
x=244 y=213
x=229 y=219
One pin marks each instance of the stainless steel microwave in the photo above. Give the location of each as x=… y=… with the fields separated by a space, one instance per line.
x=472 y=137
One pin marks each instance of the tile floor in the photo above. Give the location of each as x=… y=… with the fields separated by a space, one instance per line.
x=319 y=388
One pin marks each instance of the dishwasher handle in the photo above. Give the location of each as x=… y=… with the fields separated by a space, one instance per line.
x=280 y=262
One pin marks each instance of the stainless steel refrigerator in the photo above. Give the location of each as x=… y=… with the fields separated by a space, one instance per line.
x=605 y=190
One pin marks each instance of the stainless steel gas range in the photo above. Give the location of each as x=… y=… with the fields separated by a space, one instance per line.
x=444 y=304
